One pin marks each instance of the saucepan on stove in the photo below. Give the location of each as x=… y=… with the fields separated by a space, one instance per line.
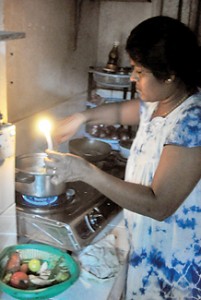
x=90 y=149
x=32 y=179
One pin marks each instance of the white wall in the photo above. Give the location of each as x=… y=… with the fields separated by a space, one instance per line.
x=3 y=96
x=117 y=19
x=50 y=65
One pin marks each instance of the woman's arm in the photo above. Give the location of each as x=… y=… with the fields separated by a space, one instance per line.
x=177 y=174
x=125 y=113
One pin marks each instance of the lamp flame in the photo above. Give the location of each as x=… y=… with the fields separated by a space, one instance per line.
x=45 y=127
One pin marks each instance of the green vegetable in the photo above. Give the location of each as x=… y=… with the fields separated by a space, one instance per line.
x=56 y=269
x=7 y=277
x=34 y=265
x=62 y=276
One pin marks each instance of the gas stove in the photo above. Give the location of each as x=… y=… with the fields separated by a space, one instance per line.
x=72 y=220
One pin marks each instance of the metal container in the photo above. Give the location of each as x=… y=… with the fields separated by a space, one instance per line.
x=90 y=149
x=124 y=147
x=32 y=179
x=115 y=80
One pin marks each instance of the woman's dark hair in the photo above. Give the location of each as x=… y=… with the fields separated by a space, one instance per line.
x=166 y=46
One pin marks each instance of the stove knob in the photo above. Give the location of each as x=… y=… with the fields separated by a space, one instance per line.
x=95 y=218
x=70 y=194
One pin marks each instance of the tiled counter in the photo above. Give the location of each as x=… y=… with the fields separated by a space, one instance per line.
x=8 y=235
x=7 y=188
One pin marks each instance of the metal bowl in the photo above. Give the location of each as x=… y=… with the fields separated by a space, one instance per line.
x=90 y=149
x=124 y=147
x=111 y=80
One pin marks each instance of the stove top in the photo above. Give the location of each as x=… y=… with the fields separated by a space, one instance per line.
x=85 y=197
x=71 y=220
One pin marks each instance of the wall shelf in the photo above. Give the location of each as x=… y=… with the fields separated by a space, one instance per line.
x=110 y=82
x=11 y=35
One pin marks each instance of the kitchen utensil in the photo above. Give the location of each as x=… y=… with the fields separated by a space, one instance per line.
x=91 y=149
x=32 y=179
x=111 y=80
x=44 y=253
x=124 y=147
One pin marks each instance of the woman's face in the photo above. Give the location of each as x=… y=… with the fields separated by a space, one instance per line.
x=149 y=88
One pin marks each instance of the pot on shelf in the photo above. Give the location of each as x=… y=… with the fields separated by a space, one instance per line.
x=32 y=179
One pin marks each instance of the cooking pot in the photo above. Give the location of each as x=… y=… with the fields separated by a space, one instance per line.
x=91 y=149
x=32 y=179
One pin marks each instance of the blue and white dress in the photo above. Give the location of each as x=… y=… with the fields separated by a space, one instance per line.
x=165 y=257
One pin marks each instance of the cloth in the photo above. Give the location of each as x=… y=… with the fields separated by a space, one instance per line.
x=101 y=259
x=165 y=257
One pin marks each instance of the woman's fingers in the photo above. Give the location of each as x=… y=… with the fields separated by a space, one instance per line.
x=65 y=166
x=57 y=179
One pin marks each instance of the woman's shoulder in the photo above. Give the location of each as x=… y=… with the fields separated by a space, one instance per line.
x=187 y=126
x=194 y=100
x=191 y=109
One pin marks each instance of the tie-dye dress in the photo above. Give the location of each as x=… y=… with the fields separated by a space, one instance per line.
x=165 y=257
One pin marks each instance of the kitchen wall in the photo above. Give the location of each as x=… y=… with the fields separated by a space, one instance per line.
x=116 y=20
x=3 y=97
x=47 y=72
x=49 y=66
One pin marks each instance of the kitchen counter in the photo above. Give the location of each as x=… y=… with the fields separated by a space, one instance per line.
x=89 y=287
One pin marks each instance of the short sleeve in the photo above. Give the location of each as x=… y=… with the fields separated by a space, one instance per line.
x=146 y=110
x=187 y=130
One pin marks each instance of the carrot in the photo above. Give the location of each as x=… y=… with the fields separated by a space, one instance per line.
x=13 y=263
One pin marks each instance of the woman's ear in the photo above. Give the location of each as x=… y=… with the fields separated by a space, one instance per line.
x=170 y=79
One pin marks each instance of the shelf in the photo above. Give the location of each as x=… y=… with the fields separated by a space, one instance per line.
x=11 y=35
x=119 y=81
x=111 y=80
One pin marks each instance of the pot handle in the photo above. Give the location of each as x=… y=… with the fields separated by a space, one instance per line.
x=24 y=178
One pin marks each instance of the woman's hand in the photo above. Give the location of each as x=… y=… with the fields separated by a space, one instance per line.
x=68 y=127
x=65 y=167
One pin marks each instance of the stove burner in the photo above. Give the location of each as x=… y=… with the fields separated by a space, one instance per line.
x=39 y=201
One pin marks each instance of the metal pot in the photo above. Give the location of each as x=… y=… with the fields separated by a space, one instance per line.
x=124 y=147
x=31 y=177
x=90 y=149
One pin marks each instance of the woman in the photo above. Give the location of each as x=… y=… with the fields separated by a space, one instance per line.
x=161 y=192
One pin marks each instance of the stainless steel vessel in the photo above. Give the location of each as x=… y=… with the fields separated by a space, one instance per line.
x=32 y=179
